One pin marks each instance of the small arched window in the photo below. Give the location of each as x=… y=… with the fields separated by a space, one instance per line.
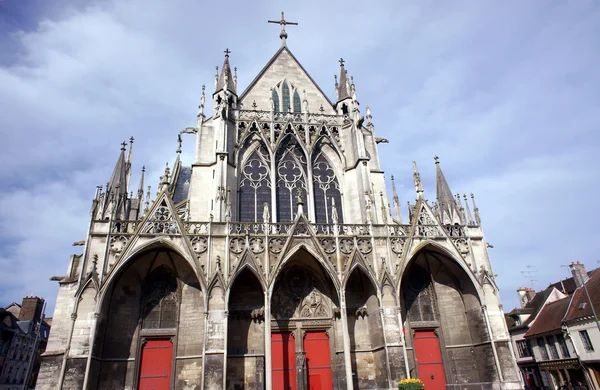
x=285 y=97
x=160 y=301
x=275 y=97
x=297 y=105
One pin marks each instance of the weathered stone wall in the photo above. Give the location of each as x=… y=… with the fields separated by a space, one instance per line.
x=48 y=375
x=74 y=374
x=188 y=374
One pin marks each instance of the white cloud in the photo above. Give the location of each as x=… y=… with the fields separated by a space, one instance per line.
x=506 y=94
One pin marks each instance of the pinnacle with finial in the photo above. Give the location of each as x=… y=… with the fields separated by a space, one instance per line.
x=123 y=145
x=436 y=159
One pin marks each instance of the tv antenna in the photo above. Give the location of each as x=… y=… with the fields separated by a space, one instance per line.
x=530 y=273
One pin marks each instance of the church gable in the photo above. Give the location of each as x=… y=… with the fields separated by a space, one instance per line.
x=284 y=67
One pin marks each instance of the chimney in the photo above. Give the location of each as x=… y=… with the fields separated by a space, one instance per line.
x=31 y=309
x=579 y=273
x=525 y=294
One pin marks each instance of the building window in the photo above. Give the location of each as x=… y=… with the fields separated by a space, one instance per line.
x=275 y=97
x=564 y=351
x=543 y=351
x=291 y=179
x=523 y=348
x=327 y=191
x=285 y=97
x=297 y=105
x=585 y=339
x=552 y=347
x=160 y=300
x=255 y=186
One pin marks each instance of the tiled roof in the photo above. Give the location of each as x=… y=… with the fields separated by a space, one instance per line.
x=533 y=307
x=550 y=318
x=567 y=286
x=580 y=307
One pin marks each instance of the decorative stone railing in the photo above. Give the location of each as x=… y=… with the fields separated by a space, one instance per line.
x=313 y=118
x=191 y=228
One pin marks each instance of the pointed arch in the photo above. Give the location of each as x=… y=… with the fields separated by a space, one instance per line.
x=327 y=189
x=275 y=98
x=254 y=186
x=357 y=261
x=285 y=97
x=248 y=263
x=291 y=177
x=296 y=251
x=297 y=104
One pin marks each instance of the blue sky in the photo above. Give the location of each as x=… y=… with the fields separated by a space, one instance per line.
x=506 y=93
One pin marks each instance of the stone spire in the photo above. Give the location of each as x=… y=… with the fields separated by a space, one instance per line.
x=417 y=180
x=396 y=202
x=140 y=193
x=343 y=87
x=226 y=77
x=116 y=188
x=448 y=211
x=129 y=159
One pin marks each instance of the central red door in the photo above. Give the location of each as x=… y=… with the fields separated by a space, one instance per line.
x=318 y=361
x=429 y=360
x=156 y=363
x=283 y=361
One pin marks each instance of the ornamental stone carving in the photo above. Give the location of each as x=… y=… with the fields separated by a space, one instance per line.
x=346 y=245
x=275 y=245
x=364 y=246
x=328 y=245
x=199 y=244
x=117 y=243
x=257 y=245
x=397 y=245
x=462 y=245
x=237 y=245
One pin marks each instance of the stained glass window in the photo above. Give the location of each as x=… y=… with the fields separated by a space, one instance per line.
x=255 y=186
x=275 y=97
x=160 y=300
x=285 y=97
x=297 y=105
x=327 y=191
x=291 y=177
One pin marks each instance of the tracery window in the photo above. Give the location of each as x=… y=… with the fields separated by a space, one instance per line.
x=326 y=191
x=291 y=178
x=418 y=295
x=275 y=97
x=285 y=97
x=289 y=97
x=255 y=186
x=159 y=305
x=297 y=105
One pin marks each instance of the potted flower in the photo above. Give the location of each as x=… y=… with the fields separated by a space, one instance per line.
x=411 y=384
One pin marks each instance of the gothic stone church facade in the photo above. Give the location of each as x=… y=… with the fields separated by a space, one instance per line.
x=274 y=261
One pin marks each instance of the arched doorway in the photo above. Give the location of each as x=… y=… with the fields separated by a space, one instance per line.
x=304 y=309
x=246 y=333
x=143 y=341
x=368 y=357
x=444 y=326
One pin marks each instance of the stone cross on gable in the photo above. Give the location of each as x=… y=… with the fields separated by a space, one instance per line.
x=283 y=35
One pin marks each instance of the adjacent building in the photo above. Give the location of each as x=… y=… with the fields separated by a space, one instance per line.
x=554 y=332
x=23 y=336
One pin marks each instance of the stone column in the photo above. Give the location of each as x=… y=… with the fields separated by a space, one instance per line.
x=301 y=377
x=268 y=365
x=346 y=334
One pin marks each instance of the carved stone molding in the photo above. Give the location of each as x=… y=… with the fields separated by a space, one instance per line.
x=199 y=244
x=257 y=245
x=364 y=246
x=275 y=245
x=236 y=245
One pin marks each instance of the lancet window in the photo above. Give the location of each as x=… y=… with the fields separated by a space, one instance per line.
x=286 y=94
x=255 y=186
x=327 y=193
x=160 y=301
x=291 y=179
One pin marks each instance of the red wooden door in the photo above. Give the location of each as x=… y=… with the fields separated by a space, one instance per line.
x=156 y=363
x=283 y=361
x=429 y=360
x=318 y=361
